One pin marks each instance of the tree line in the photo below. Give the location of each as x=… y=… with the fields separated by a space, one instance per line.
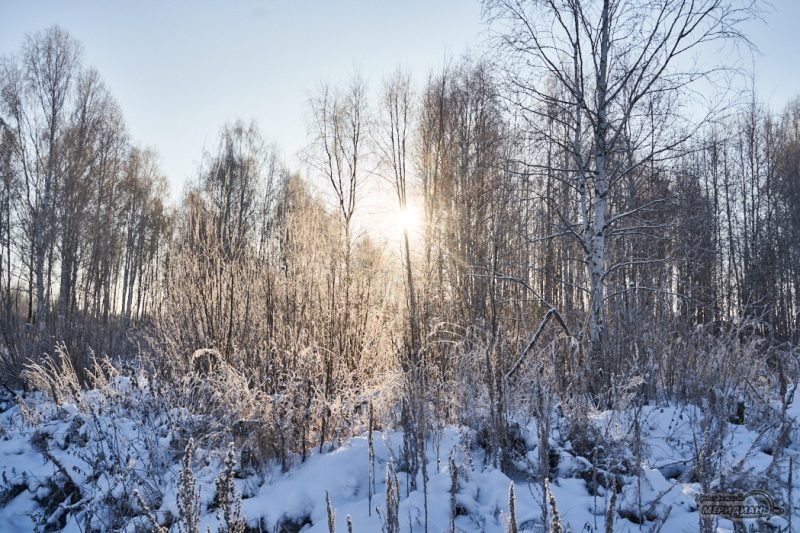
x=580 y=228
x=83 y=215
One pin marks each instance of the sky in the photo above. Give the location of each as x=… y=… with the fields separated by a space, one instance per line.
x=182 y=69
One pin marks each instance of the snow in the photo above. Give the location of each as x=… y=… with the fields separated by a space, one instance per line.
x=112 y=441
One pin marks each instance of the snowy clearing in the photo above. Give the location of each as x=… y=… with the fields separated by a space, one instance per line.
x=68 y=466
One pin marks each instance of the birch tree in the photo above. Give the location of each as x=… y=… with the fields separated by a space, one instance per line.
x=37 y=98
x=619 y=67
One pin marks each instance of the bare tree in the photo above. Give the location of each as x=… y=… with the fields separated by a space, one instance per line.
x=619 y=67
x=394 y=143
x=338 y=153
x=37 y=98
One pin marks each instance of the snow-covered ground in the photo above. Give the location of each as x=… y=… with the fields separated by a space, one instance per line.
x=79 y=462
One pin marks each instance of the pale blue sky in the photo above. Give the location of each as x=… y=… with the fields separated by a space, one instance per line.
x=181 y=69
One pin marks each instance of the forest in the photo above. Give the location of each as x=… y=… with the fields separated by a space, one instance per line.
x=584 y=313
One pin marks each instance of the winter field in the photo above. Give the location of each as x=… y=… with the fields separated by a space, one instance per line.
x=452 y=266
x=113 y=458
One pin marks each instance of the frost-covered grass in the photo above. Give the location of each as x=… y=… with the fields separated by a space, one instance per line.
x=73 y=465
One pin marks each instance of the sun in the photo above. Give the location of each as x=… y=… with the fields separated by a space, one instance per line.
x=408 y=220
